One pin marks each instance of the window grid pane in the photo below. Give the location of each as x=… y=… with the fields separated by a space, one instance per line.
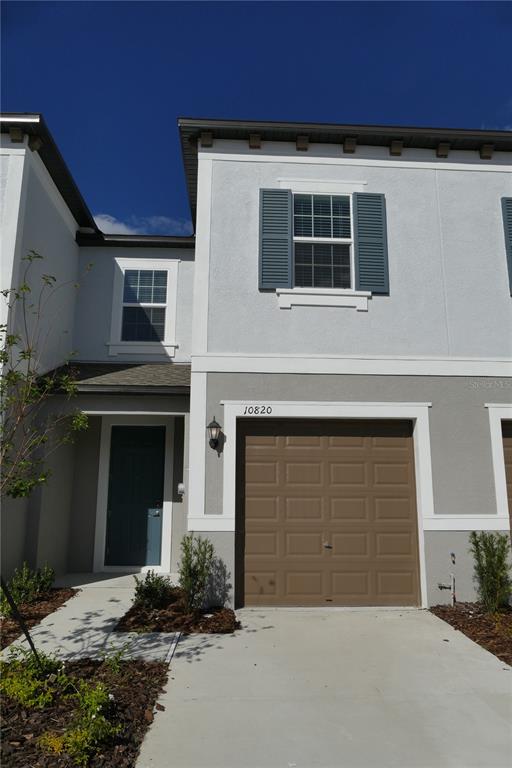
x=326 y=216
x=143 y=324
x=322 y=265
x=145 y=286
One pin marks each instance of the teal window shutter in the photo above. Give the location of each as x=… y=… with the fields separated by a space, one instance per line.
x=506 y=203
x=275 y=239
x=370 y=243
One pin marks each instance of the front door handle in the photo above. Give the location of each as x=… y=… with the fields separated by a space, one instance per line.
x=326 y=545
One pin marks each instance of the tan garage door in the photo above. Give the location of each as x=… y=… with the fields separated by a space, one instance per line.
x=507 y=449
x=329 y=513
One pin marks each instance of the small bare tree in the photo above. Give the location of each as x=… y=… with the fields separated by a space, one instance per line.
x=30 y=430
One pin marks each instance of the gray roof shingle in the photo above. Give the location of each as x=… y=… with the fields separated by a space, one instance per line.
x=132 y=377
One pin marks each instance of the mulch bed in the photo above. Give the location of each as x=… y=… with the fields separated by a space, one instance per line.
x=174 y=618
x=492 y=631
x=33 y=613
x=135 y=688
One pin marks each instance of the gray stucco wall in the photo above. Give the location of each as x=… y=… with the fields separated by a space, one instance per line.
x=459 y=424
x=462 y=471
x=13 y=530
x=449 y=291
x=82 y=511
x=438 y=546
x=48 y=532
x=92 y=329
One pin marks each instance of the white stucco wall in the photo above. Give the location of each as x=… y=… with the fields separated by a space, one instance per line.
x=48 y=227
x=12 y=194
x=449 y=294
x=4 y=173
x=94 y=301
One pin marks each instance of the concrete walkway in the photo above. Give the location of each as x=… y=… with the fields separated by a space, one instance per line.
x=332 y=689
x=83 y=626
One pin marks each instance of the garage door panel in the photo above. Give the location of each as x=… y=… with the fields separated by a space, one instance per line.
x=304 y=584
x=261 y=472
x=350 y=586
x=349 y=509
x=394 y=544
x=303 y=544
x=348 y=473
x=262 y=441
x=303 y=442
x=304 y=473
x=347 y=485
x=393 y=508
x=261 y=584
x=395 y=584
x=506 y=427
x=300 y=508
x=262 y=508
x=391 y=473
x=261 y=544
x=350 y=544
x=346 y=441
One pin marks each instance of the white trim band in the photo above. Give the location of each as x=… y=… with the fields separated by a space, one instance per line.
x=315 y=297
x=352 y=364
x=466 y=523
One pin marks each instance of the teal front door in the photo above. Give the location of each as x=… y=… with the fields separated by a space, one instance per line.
x=135 y=496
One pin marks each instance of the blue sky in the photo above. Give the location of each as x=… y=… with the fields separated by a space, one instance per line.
x=112 y=77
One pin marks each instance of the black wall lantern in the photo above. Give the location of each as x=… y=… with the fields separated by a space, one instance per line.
x=213 y=433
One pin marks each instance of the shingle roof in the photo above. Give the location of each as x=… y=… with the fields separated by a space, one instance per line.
x=150 y=378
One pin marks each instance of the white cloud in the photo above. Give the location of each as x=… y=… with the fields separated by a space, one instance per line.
x=109 y=225
x=142 y=225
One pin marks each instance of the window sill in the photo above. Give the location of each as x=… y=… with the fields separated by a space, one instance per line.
x=322 y=297
x=141 y=348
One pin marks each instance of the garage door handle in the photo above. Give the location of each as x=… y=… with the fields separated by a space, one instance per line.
x=327 y=545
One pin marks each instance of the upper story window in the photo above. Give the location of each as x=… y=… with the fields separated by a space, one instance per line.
x=322 y=241
x=144 y=307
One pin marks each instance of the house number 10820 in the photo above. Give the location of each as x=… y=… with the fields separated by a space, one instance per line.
x=257 y=410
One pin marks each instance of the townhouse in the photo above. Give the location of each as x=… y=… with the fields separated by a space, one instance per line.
x=319 y=380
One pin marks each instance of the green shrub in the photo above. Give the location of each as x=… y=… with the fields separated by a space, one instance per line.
x=91 y=727
x=195 y=567
x=113 y=659
x=27 y=585
x=153 y=591
x=31 y=685
x=492 y=569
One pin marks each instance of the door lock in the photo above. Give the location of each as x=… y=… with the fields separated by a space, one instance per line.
x=326 y=545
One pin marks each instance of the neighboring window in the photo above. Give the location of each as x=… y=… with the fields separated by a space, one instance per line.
x=322 y=241
x=144 y=305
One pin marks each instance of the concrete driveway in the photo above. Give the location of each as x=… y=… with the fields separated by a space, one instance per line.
x=351 y=688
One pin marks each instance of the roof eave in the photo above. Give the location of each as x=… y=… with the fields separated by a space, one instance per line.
x=34 y=125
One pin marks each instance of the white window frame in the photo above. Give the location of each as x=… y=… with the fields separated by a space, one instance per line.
x=325 y=297
x=168 y=346
x=325 y=240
